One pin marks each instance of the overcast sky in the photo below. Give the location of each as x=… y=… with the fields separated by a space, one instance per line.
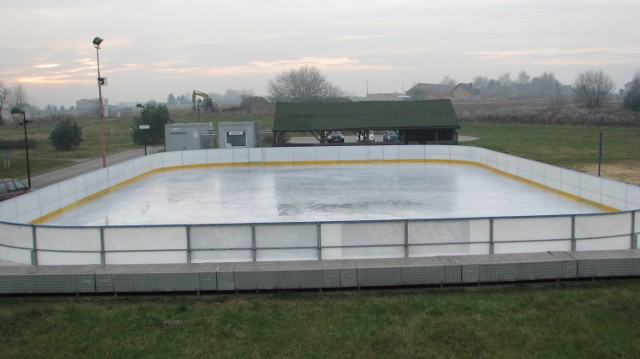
x=155 y=47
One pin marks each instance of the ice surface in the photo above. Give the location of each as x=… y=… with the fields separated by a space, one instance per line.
x=318 y=193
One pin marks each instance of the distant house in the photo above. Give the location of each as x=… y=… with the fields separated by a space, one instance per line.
x=465 y=91
x=423 y=91
x=92 y=106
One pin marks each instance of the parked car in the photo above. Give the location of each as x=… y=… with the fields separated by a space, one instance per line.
x=391 y=136
x=335 y=137
x=10 y=188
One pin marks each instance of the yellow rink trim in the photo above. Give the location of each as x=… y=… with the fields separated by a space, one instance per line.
x=64 y=209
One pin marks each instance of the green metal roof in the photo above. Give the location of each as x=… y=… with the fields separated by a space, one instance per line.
x=371 y=115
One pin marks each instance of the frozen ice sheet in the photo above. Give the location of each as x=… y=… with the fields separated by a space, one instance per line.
x=318 y=193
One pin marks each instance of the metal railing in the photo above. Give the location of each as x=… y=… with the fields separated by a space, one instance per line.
x=104 y=247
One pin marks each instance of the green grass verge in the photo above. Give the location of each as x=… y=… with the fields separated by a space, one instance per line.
x=556 y=144
x=587 y=320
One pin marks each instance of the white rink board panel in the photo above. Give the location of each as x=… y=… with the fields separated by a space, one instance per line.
x=143 y=238
x=220 y=237
x=75 y=239
x=293 y=235
x=606 y=225
x=531 y=228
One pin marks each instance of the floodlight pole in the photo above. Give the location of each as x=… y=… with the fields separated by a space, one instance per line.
x=96 y=43
x=16 y=111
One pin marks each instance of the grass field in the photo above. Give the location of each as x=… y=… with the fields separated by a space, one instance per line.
x=568 y=320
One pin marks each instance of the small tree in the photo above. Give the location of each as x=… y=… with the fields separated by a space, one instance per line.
x=66 y=135
x=632 y=98
x=593 y=88
x=156 y=116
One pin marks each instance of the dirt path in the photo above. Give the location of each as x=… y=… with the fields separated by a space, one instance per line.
x=624 y=171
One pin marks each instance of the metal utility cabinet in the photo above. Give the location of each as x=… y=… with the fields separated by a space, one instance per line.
x=238 y=134
x=188 y=136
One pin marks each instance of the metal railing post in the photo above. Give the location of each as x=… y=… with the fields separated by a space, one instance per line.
x=188 y=229
x=103 y=258
x=491 y=243
x=319 y=236
x=253 y=241
x=573 y=234
x=406 y=239
x=634 y=236
x=34 y=252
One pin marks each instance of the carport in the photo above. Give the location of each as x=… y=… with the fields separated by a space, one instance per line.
x=417 y=122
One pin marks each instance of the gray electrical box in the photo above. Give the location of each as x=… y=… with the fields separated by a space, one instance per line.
x=238 y=134
x=188 y=136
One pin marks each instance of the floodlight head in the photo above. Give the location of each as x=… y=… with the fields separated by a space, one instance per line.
x=97 y=41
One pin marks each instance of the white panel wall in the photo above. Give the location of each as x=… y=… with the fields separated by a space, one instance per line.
x=34 y=205
x=221 y=244
x=305 y=154
x=221 y=156
x=19 y=236
x=531 y=229
x=432 y=238
x=53 y=242
x=143 y=240
x=389 y=235
x=194 y=157
x=604 y=232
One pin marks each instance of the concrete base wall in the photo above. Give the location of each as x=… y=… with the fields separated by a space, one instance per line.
x=332 y=274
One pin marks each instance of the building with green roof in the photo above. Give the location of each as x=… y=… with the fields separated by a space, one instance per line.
x=417 y=122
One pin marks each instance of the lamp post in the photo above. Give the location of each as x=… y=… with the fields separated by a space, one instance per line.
x=96 y=43
x=17 y=113
x=144 y=127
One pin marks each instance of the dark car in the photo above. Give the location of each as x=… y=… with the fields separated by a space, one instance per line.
x=10 y=188
x=335 y=137
x=391 y=136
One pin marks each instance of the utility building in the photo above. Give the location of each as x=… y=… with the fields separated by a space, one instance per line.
x=416 y=122
x=187 y=136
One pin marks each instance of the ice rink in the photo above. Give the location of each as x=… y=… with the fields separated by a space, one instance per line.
x=303 y=193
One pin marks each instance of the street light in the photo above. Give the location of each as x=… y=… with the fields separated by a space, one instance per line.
x=144 y=127
x=96 y=43
x=18 y=115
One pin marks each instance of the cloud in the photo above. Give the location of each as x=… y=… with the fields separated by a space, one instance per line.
x=275 y=66
x=558 y=56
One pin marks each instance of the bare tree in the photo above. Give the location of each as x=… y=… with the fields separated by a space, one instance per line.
x=245 y=94
x=19 y=97
x=305 y=84
x=593 y=88
x=481 y=82
x=4 y=95
x=523 y=78
x=505 y=80
x=448 y=80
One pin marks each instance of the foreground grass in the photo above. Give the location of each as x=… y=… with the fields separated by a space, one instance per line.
x=587 y=320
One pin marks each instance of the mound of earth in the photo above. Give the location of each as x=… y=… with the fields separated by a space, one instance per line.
x=257 y=105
